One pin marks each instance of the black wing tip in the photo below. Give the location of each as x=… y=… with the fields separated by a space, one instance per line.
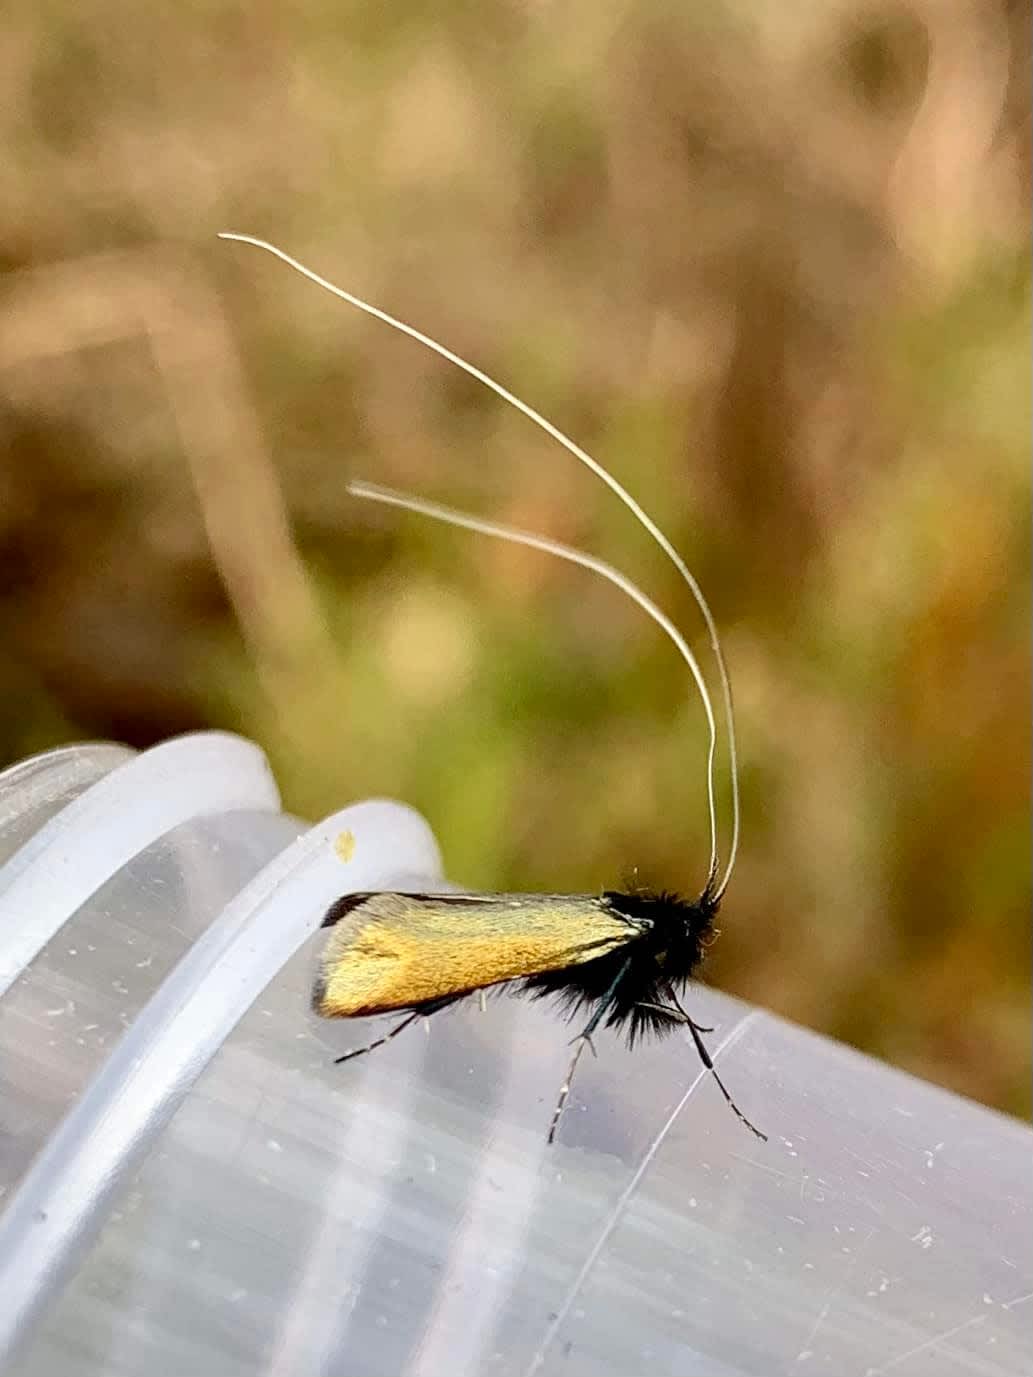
x=318 y=994
x=348 y=903
x=341 y=907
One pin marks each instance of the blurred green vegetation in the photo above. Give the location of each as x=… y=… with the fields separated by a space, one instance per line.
x=770 y=265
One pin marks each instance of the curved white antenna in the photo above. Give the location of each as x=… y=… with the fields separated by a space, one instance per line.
x=585 y=458
x=374 y=492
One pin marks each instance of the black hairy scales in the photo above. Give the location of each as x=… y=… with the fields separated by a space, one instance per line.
x=660 y=958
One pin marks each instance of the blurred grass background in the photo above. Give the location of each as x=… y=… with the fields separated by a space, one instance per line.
x=770 y=264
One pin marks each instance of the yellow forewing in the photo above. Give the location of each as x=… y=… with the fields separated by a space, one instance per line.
x=395 y=950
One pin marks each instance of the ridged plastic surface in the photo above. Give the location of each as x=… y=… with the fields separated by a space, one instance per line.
x=191 y=1185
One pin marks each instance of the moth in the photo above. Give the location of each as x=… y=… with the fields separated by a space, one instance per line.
x=621 y=959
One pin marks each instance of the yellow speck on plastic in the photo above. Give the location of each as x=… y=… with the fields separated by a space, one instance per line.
x=344 y=846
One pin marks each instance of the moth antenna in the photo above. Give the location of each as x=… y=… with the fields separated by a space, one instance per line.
x=451 y=516
x=621 y=492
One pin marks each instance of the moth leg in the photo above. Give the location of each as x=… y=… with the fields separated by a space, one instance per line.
x=583 y=1038
x=685 y=1015
x=424 y=1011
x=695 y=1029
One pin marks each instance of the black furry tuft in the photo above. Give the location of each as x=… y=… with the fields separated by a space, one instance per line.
x=666 y=951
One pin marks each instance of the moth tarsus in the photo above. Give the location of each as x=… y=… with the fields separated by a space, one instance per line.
x=378 y=1042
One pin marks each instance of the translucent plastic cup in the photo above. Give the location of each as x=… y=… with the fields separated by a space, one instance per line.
x=190 y=1185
